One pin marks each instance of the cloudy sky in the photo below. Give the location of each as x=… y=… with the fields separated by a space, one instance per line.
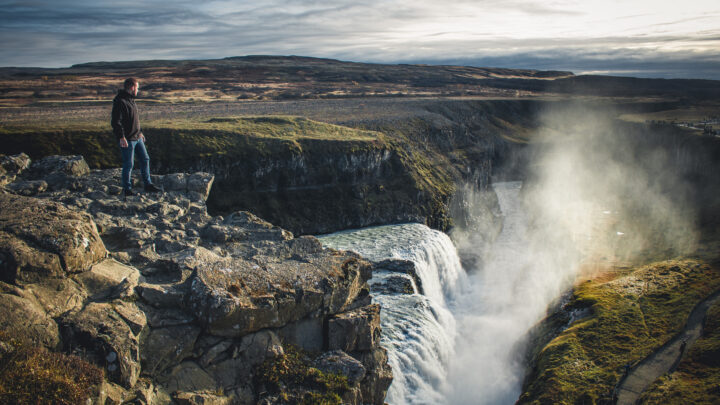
x=649 y=38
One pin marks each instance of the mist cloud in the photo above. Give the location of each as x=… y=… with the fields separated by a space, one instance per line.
x=614 y=191
x=599 y=194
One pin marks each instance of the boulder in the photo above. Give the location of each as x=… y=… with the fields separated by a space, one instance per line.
x=165 y=347
x=376 y=383
x=28 y=187
x=12 y=166
x=188 y=377
x=279 y=284
x=133 y=316
x=356 y=330
x=174 y=182
x=47 y=227
x=24 y=318
x=58 y=296
x=339 y=362
x=235 y=368
x=67 y=165
x=200 y=183
x=109 y=279
x=259 y=228
x=15 y=164
x=201 y=398
x=222 y=234
x=237 y=297
x=21 y=263
x=103 y=336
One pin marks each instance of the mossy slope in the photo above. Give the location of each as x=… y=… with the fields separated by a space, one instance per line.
x=634 y=312
x=697 y=378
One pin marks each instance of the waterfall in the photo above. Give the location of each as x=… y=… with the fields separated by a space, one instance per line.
x=418 y=330
x=460 y=342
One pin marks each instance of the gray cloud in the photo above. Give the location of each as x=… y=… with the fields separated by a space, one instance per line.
x=61 y=33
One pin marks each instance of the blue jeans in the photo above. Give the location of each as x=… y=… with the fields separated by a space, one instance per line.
x=128 y=155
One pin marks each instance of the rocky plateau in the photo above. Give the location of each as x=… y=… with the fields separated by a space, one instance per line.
x=176 y=305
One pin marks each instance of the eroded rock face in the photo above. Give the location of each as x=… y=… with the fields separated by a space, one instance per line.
x=12 y=166
x=175 y=304
x=356 y=330
x=273 y=288
x=44 y=239
x=27 y=319
x=102 y=334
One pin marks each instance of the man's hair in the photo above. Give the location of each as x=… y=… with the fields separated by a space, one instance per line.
x=130 y=82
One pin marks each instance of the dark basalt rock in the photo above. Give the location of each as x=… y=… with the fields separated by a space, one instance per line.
x=398 y=284
x=43 y=238
x=189 y=305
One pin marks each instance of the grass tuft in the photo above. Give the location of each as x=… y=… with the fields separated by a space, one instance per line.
x=291 y=370
x=34 y=375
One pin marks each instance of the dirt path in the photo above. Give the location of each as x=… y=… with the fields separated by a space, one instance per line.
x=666 y=358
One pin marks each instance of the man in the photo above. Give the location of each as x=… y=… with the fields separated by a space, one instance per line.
x=126 y=127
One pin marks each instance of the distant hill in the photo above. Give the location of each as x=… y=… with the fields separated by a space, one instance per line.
x=296 y=77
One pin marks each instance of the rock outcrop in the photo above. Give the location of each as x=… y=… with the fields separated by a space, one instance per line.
x=176 y=305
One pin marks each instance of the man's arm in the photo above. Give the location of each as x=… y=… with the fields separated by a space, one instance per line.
x=116 y=123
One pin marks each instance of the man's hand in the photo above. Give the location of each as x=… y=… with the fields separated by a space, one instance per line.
x=142 y=137
x=123 y=142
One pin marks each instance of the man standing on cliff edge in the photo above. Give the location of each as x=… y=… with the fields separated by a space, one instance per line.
x=126 y=127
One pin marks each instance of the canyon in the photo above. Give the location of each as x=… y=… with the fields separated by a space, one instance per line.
x=222 y=269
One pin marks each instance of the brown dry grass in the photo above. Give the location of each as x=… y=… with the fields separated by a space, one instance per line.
x=34 y=375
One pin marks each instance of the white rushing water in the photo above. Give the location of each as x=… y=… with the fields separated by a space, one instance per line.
x=418 y=330
x=460 y=342
x=496 y=312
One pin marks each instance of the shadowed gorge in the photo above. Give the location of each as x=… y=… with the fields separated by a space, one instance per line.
x=581 y=215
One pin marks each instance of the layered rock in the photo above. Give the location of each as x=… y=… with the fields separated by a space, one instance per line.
x=178 y=306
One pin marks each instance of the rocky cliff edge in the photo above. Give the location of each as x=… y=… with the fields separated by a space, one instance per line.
x=175 y=305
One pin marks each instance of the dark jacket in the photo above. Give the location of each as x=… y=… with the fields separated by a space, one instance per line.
x=124 y=119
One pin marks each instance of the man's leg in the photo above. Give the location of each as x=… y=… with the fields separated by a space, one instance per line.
x=144 y=161
x=127 y=155
x=145 y=167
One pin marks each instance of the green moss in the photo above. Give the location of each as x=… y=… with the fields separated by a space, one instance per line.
x=291 y=372
x=634 y=312
x=176 y=141
x=697 y=378
x=34 y=375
